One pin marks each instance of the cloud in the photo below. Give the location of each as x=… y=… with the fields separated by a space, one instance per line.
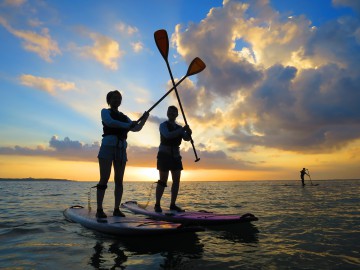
x=35 y=22
x=46 y=84
x=271 y=80
x=130 y=31
x=137 y=46
x=64 y=145
x=104 y=50
x=126 y=29
x=60 y=149
x=42 y=44
x=155 y=119
x=68 y=149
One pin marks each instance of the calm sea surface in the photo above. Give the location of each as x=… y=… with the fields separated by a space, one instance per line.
x=316 y=227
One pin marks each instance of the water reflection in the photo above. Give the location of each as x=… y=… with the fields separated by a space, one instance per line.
x=186 y=243
x=175 y=250
x=238 y=233
x=98 y=260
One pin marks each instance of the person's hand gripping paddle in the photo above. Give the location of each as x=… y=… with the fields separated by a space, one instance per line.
x=162 y=42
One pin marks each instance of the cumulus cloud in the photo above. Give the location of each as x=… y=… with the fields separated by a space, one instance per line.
x=272 y=80
x=104 y=50
x=213 y=41
x=64 y=145
x=40 y=43
x=46 y=84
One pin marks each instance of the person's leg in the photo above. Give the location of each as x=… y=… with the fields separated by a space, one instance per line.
x=119 y=170
x=105 y=170
x=302 y=180
x=175 y=186
x=160 y=187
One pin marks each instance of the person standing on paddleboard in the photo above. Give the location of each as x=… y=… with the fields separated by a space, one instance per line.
x=302 y=174
x=169 y=158
x=112 y=151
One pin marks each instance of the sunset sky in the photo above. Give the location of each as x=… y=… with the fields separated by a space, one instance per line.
x=281 y=90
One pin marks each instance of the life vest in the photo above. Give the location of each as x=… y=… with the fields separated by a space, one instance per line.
x=173 y=141
x=121 y=133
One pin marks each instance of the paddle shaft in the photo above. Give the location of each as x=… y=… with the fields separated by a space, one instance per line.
x=164 y=96
x=196 y=66
x=181 y=107
x=308 y=173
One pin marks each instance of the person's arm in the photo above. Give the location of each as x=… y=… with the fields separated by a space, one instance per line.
x=137 y=127
x=170 y=134
x=110 y=122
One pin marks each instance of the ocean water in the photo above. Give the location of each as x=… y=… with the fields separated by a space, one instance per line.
x=316 y=227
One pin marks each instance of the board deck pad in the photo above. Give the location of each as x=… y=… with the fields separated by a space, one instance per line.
x=191 y=217
x=123 y=225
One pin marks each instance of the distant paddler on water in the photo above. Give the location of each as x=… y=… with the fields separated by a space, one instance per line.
x=302 y=175
x=304 y=172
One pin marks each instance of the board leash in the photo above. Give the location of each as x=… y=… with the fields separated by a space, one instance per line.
x=147 y=203
x=89 y=197
x=149 y=197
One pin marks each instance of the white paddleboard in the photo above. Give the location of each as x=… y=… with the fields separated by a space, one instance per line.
x=198 y=218
x=123 y=225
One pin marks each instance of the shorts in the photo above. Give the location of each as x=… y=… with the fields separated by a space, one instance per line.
x=166 y=162
x=112 y=152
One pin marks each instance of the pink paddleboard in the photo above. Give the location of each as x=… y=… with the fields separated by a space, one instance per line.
x=191 y=217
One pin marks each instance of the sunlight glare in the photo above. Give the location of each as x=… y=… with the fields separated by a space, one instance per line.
x=148 y=174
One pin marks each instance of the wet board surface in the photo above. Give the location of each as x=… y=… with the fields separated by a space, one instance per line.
x=189 y=217
x=123 y=225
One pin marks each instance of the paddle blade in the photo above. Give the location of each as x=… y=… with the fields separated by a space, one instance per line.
x=162 y=42
x=196 y=66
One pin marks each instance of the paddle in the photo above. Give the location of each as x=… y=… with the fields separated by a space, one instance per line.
x=196 y=66
x=308 y=173
x=162 y=42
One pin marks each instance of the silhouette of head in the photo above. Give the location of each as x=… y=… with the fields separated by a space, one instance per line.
x=114 y=98
x=172 y=113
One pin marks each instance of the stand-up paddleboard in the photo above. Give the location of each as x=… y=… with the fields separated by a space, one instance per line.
x=198 y=218
x=299 y=185
x=123 y=225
